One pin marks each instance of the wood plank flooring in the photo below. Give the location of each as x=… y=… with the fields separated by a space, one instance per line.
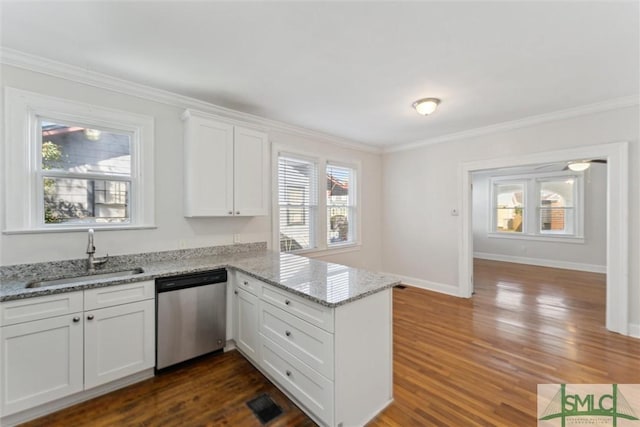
x=457 y=362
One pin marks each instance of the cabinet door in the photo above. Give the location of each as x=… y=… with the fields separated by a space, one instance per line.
x=208 y=167
x=247 y=332
x=41 y=361
x=119 y=341
x=251 y=172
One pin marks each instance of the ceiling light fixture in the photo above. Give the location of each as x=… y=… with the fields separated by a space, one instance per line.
x=579 y=166
x=426 y=106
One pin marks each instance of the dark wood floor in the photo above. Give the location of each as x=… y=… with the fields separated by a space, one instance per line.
x=457 y=362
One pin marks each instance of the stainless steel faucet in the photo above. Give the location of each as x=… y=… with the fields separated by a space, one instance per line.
x=91 y=249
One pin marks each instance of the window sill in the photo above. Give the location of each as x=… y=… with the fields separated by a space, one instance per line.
x=538 y=237
x=82 y=229
x=334 y=250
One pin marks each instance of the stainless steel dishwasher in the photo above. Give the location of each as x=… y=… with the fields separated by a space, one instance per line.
x=191 y=313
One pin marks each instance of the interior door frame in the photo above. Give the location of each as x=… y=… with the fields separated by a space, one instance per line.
x=617 y=156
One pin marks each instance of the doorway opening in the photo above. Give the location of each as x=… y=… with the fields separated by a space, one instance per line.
x=617 y=222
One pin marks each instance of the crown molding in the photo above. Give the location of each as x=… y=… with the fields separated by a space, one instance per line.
x=612 y=104
x=19 y=59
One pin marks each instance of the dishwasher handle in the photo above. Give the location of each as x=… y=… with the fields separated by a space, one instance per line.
x=184 y=281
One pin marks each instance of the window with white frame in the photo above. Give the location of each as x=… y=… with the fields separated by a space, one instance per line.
x=88 y=166
x=341 y=204
x=538 y=205
x=299 y=202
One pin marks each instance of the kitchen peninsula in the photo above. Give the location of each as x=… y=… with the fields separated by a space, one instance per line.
x=321 y=332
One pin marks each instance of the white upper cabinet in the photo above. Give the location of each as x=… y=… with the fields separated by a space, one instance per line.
x=226 y=168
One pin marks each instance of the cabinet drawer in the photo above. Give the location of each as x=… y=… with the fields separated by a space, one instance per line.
x=313 y=313
x=36 y=308
x=308 y=343
x=248 y=283
x=311 y=389
x=120 y=294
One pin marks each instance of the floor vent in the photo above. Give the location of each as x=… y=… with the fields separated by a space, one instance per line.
x=400 y=287
x=264 y=408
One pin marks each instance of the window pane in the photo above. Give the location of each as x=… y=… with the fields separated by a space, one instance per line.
x=80 y=201
x=82 y=150
x=557 y=193
x=297 y=198
x=338 y=220
x=556 y=220
x=509 y=207
x=340 y=204
x=556 y=200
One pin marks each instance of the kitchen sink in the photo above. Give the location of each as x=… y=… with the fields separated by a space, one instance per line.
x=85 y=278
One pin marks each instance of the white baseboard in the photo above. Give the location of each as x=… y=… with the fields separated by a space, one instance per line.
x=634 y=330
x=428 y=285
x=592 y=268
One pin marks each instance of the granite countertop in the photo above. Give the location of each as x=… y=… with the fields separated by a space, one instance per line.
x=326 y=283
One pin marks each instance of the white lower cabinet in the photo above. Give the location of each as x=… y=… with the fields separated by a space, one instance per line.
x=41 y=361
x=119 y=341
x=77 y=348
x=335 y=363
x=246 y=321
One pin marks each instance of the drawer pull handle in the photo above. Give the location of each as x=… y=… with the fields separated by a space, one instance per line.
x=287 y=302
x=76 y=319
x=288 y=373
x=235 y=292
x=288 y=333
x=90 y=317
x=237 y=212
x=230 y=213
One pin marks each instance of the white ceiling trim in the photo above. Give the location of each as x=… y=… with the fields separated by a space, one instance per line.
x=19 y=59
x=612 y=104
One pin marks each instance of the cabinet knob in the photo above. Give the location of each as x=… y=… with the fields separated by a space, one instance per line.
x=246 y=283
x=230 y=212
x=287 y=302
x=237 y=212
x=76 y=319
x=288 y=373
x=235 y=292
x=288 y=333
x=90 y=317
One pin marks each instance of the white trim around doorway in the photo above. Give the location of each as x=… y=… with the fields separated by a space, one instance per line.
x=617 y=317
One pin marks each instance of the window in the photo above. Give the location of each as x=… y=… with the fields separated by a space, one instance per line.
x=297 y=201
x=85 y=174
x=556 y=200
x=340 y=204
x=299 y=226
x=75 y=166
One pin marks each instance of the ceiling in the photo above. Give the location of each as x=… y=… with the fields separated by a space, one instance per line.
x=351 y=69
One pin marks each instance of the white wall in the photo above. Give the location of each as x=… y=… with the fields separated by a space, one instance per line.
x=589 y=256
x=173 y=230
x=422 y=185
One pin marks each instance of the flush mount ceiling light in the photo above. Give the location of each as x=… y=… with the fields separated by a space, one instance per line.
x=426 y=106
x=579 y=166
